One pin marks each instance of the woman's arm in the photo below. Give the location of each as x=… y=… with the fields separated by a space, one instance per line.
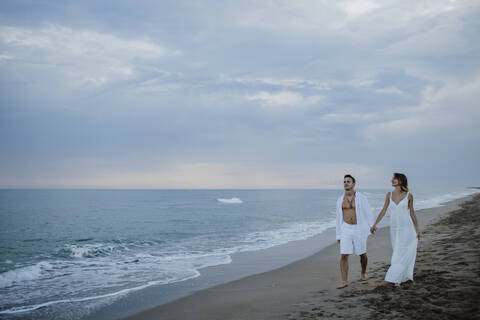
x=412 y=214
x=382 y=213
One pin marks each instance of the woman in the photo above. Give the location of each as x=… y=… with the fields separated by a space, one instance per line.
x=404 y=231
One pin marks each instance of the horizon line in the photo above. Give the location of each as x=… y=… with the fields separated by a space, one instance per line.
x=188 y=189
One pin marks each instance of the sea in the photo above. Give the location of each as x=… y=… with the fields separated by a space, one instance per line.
x=66 y=253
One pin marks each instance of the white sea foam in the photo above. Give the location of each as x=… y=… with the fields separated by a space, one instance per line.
x=439 y=201
x=174 y=267
x=231 y=200
x=168 y=269
x=90 y=250
x=297 y=231
x=108 y=295
x=18 y=275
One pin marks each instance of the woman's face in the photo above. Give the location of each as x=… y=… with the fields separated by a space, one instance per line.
x=394 y=182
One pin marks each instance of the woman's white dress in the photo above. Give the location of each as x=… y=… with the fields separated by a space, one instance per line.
x=404 y=242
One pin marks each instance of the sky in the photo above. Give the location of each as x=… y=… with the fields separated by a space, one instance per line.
x=238 y=94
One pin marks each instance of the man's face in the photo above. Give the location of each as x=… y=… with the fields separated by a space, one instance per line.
x=348 y=183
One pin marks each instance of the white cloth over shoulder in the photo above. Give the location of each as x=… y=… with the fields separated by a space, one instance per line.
x=365 y=217
x=404 y=242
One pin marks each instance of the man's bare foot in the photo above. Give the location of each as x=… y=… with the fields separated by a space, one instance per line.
x=397 y=285
x=364 y=276
x=343 y=285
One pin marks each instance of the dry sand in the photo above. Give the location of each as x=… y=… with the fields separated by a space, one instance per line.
x=446 y=281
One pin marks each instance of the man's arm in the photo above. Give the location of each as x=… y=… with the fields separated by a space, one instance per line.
x=338 y=226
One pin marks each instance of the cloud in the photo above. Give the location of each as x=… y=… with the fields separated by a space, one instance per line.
x=390 y=90
x=352 y=18
x=284 y=99
x=287 y=82
x=86 y=57
x=349 y=118
x=5 y=57
x=356 y=9
x=300 y=83
x=442 y=34
x=440 y=111
x=305 y=16
x=231 y=94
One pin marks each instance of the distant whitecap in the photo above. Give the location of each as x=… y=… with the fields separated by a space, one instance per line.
x=232 y=200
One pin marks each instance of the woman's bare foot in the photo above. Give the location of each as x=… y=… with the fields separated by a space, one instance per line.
x=343 y=285
x=364 y=276
x=397 y=285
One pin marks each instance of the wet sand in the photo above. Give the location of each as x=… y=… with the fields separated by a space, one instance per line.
x=446 y=280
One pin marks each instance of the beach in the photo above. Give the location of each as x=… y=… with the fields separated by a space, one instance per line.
x=446 y=282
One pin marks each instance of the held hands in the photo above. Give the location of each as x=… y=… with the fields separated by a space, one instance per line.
x=373 y=229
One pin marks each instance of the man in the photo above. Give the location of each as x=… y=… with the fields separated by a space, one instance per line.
x=354 y=219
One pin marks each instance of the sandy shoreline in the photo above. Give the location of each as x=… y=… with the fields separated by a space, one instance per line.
x=304 y=289
x=446 y=283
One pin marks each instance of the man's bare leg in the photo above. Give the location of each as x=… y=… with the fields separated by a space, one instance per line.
x=344 y=271
x=364 y=262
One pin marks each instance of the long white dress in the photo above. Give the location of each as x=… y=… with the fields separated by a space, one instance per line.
x=404 y=242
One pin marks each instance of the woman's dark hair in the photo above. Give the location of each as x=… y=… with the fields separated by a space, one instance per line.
x=349 y=176
x=402 y=179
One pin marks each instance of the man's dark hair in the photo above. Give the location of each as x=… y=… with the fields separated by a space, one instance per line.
x=349 y=176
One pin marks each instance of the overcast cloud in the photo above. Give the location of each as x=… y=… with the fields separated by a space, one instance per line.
x=229 y=94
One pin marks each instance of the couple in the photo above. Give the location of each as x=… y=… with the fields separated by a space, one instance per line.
x=355 y=222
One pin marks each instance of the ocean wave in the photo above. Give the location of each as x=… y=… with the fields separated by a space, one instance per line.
x=169 y=277
x=231 y=200
x=84 y=239
x=298 y=231
x=439 y=201
x=22 y=274
x=92 y=250
x=150 y=268
x=88 y=271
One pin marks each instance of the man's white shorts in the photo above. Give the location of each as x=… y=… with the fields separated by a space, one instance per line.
x=352 y=240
